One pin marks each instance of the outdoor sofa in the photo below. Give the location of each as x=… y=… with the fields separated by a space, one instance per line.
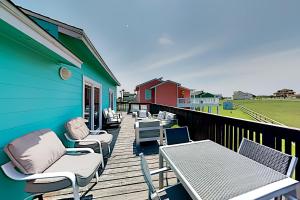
x=40 y=159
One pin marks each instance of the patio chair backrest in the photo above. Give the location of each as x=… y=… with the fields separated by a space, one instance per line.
x=267 y=156
x=144 y=107
x=105 y=113
x=134 y=108
x=77 y=128
x=36 y=151
x=177 y=135
x=147 y=175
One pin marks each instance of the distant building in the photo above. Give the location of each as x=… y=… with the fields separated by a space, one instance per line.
x=129 y=97
x=285 y=93
x=239 y=95
x=161 y=92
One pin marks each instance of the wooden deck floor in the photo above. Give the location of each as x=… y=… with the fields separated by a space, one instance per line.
x=122 y=177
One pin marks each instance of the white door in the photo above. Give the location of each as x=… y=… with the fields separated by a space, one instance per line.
x=92 y=103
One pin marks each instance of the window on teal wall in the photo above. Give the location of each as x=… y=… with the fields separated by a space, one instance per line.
x=148 y=94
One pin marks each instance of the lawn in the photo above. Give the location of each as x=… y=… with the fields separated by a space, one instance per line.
x=283 y=111
x=230 y=113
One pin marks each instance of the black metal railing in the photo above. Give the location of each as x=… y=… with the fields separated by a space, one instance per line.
x=229 y=131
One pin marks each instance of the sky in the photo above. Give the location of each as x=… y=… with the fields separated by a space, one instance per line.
x=218 y=46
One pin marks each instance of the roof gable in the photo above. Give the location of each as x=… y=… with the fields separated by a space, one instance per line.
x=77 y=33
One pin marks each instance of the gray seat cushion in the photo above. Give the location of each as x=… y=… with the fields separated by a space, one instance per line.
x=83 y=165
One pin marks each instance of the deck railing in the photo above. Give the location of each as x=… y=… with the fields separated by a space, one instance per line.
x=229 y=131
x=130 y=107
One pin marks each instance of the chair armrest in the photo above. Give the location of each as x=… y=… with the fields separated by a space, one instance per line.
x=80 y=150
x=96 y=132
x=155 y=115
x=10 y=170
x=164 y=169
x=84 y=140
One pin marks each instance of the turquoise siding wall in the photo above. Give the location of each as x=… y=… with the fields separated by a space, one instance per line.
x=91 y=67
x=32 y=96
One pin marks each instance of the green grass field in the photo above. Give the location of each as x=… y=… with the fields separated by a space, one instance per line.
x=284 y=111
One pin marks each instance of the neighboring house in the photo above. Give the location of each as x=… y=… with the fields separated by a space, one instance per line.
x=239 y=95
x=201 y=98
x=50 y=72
x=161 y=92
x=129 y=97
x=285 y=93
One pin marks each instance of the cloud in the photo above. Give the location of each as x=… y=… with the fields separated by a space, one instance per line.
x=164 y=40
x=258 y=74
x=173 y=59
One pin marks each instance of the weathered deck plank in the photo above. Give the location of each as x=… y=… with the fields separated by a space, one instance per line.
x=122 y=177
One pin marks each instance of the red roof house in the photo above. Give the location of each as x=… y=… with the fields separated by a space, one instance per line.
x=161 y=92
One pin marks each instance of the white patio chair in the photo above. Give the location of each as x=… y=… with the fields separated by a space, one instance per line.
x=46 y=165
x=115 y=114
x=82 y=136
x=175 y=192
x=110 y=119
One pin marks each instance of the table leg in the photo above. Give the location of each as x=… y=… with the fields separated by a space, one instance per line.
x=161 y=174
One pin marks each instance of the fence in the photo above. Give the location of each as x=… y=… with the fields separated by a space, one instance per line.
x=229 y=131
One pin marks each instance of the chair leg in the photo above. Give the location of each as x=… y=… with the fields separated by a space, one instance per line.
x=76 y=192
x=97 y=176
x=109 y=150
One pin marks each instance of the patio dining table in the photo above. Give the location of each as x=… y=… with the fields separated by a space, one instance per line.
x=208 y=170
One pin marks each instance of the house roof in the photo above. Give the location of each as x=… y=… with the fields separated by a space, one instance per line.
x=159 y=79
x=167 y=81
x=14 y=16
x=76 y=33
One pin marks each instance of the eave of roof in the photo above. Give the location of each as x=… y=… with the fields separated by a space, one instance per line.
x=158 y=79
x=76 y=33
x=167 y=81
x=12 y=15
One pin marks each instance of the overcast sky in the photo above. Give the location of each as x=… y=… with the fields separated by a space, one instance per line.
x=215 y=45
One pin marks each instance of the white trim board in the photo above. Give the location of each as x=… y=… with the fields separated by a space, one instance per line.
x=13 y=16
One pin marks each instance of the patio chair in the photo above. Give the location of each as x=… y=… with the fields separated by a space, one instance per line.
x=177 y=135
x=269 y=157
x=110 y=119
x=134 y=108
x=40 y=159
x=167 y=119
x=148 y=130
x=115 y=114
x=142 y=114
x=175 y=192
x=82 y=136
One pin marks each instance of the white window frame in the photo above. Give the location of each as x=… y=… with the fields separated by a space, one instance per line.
x=93 y=84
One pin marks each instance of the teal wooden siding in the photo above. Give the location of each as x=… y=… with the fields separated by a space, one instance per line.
x=32 y=97
x=91 y=67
